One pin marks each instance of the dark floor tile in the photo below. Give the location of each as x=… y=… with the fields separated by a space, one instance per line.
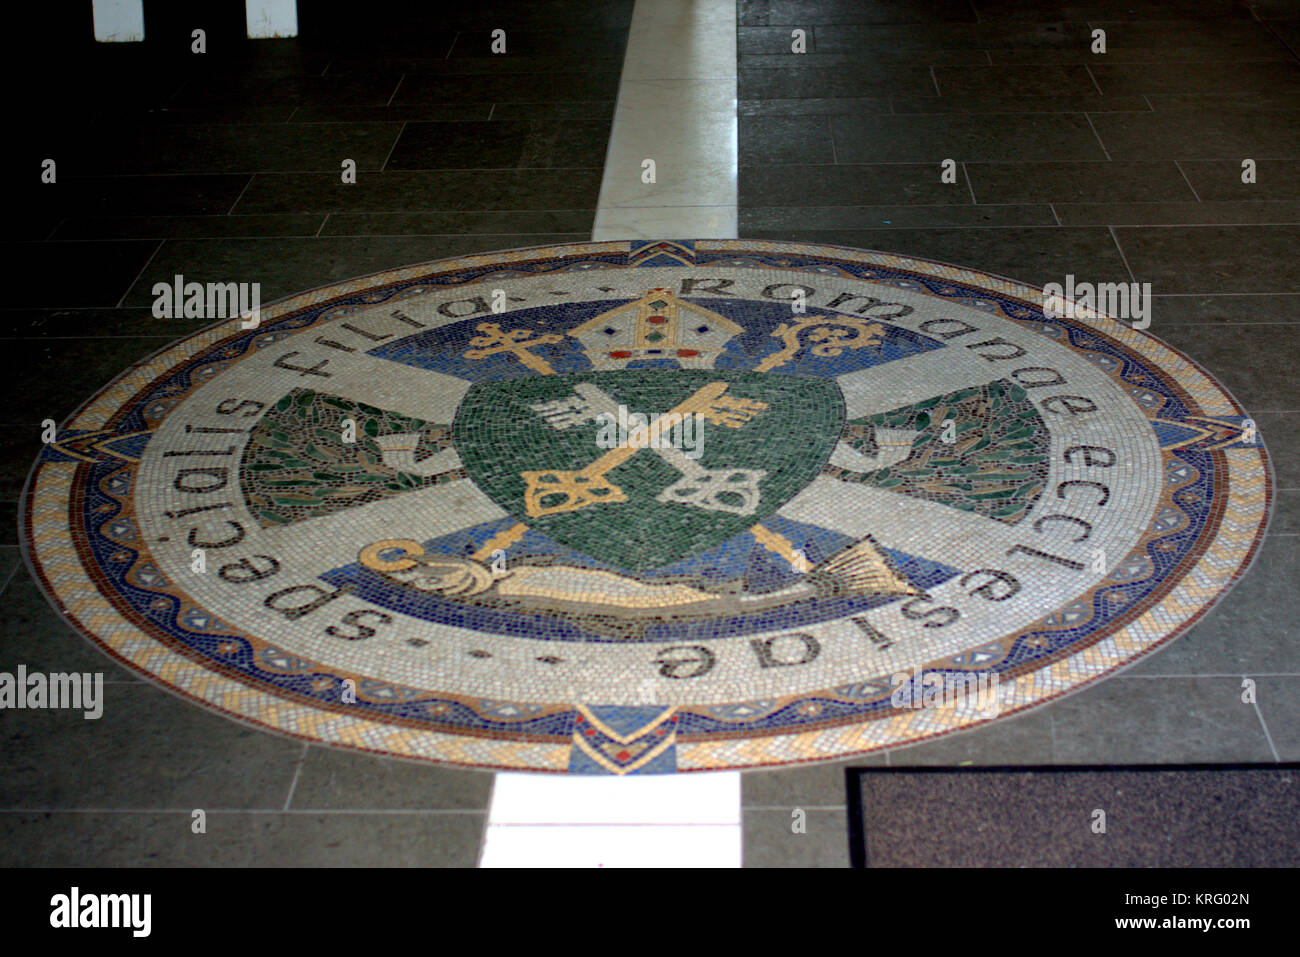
x=798 y=12
x=826 y=62
x=919 y=138
x=93 y=324
x=1164 y=10
x=135 y=195
x=767 y=40
x=60 y=374
x=1083 y=55
x=237 y=149
x=1256 y=362
x=1117 y=182
x=770 y=840
x=396 y=191
x=555 y=110
x=399 y=113
x=20 y=444
x=467 y=221
x=1214 y=258
x=1176 y=214
x=1286 y=514
x=1158 y=721
x=1209 y=35
x=1029 y=255
x=574 y=41
x=1012 y=103
x=1010 y=80
x=241 y=840
x=813 y=106
x=188 y=227
x=609 y=61
x=1279 y=704
x=889 y=183
x=520 y=144
x=1221 y=179
x=1251 y=631
x=288 y=266
x=799 y=81
x=520 y=88
x=73 y=274
x=1206 y=134
x=1226 y=309
x=773 y=140
x=924 y=37
x=347 y=780
x=152 y=751
x=811 y=785
x=1117 y=79
x=1224 y=101
x=1281 y=433
x=352 y=89
x=755 y=221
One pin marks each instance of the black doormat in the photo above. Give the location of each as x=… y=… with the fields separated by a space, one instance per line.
x=1143 y=816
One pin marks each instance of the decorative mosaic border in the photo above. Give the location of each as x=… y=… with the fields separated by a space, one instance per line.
x=50 y=550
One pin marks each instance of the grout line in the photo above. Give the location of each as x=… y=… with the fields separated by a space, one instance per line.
x=1147 y=100
x=1094 y=79
x=966 y=176
x=396 y=140
x=1188 y=181
x=1264 y=725
x=1052 y=207
x=322 y=224
x=140 y=273
x=1096 y=134
x=830 y=128
x=292 y=114
x=327 y=68
x=297 y=770
x=12 y=573
x=935 y=78
x=400 y=80
x=56 y=228
x=447 y=55
x=1115 y=237
x=990 y=58
x=491 y=111
x=251 y=176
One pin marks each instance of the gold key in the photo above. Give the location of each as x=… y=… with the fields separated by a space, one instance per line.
x=552 y=492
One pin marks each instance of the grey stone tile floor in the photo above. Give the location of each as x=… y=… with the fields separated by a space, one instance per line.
x=1122 y=169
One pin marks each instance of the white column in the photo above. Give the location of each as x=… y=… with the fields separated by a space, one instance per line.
x=119 y=21
x=268 y=19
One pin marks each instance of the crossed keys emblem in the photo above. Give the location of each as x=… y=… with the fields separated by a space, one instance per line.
x=726 y=490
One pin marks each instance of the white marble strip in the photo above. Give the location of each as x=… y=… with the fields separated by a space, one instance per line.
x=676 y=106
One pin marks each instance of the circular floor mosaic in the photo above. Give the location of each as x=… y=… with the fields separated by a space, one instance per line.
x=647 y=507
